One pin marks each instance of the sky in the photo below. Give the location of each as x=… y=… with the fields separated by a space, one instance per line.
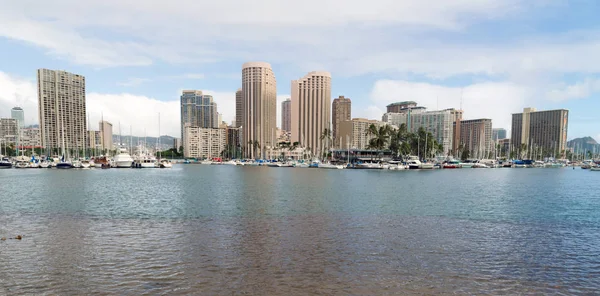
x=492 y=57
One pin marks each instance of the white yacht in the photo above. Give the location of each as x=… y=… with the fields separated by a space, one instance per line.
x=413 y=163
x=328 y=165
x=5 y=163
x=122 y=159
x=145 y=162
x=206 y=161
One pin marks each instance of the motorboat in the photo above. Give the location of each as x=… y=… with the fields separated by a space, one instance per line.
x=413 y=163
x=369 y=166
x=86 y=164
x=145 y=162
x=426 y=166
x=122 y=159
x=397 y=167
x=165 y=164
x=330 y=166
x=231 y=162
x=479 y=165
x=207 y=161
x=467 y=164
x=595 y=169
x=101 y=162
x=21 y=164
x=452 y=164
x=5 y=163
x=301 y=165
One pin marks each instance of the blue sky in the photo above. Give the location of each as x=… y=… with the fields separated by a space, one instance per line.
x=498 y=55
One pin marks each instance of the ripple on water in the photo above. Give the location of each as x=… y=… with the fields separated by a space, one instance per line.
x=299 y=232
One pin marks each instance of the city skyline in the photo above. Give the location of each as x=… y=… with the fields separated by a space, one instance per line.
x=443 y=60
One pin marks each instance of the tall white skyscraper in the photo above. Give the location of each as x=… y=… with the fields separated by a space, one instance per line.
x=62 y=109
x=259 y=93
x=311 y=110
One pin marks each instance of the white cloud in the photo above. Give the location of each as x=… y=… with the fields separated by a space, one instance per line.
x=371 y=112
x=92 y=32
x=20 y=92
x=578 y=90
x=481 y=100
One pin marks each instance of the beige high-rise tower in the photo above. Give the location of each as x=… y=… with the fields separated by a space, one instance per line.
x=62 y=110
x=341 y=111
x=311 y=110
x=259 y=93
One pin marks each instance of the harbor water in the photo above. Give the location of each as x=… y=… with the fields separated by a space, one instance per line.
x=227 y=230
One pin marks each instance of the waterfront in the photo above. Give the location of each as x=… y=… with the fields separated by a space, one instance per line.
x=257 y=230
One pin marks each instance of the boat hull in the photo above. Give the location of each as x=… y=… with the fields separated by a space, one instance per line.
x=123 y=164
x=64 y=165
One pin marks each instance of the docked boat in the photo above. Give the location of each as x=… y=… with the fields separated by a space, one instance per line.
x=595 y=169
x=21 y=164
x=122 y=159
x=145 y=162
x=426 y=166
x=86 y=164
x=479 y=165
x=44 y=164
x=452 y=164
x=165 y=164
x=101 y=162
x=5 y=163
x=64 y=164
x=231 y=162
x=413 y=163
x=207 y=161
x=330 y=166
x=397 y=167
x=369 y=166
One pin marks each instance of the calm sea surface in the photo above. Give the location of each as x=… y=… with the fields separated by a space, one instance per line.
x=226 y=230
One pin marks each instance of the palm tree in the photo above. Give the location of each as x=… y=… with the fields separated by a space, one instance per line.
x=380 y=136
x=326 y=135
x=523 y=150
x=398 y=138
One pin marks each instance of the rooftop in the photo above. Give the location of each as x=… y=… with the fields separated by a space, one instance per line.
x=402 y=103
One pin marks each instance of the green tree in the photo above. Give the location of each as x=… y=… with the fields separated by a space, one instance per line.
x=465 y=155
x=380 y=136
x=326 y=137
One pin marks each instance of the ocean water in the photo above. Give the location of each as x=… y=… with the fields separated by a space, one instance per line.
x=226 y=230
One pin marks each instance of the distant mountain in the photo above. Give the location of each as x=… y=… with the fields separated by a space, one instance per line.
x=583 y=144
x=166 y=142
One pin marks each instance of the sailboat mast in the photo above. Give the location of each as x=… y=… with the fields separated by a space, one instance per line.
x=159 y=154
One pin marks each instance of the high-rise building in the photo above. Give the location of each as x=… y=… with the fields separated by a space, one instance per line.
x=498 y=133
x=400 y=107
x=259 y=93
x=540 y=130
x=439 y=123
x=286 y=115
x=311 y=110
x=198 y=110
x=341 y=110
x=9 y=130
x=353 y=133
x=233 y=142
x=18 y=114
x=203 y=142
x=95 y=141
x=239 y=108
x=62 y=109
x=476 y=137
x=106 y=135
x=30 y=138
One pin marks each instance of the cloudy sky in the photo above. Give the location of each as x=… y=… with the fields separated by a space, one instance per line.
x=137 y=55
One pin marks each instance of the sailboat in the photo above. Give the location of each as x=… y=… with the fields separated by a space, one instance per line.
x=63 y=164
x=162 y=163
